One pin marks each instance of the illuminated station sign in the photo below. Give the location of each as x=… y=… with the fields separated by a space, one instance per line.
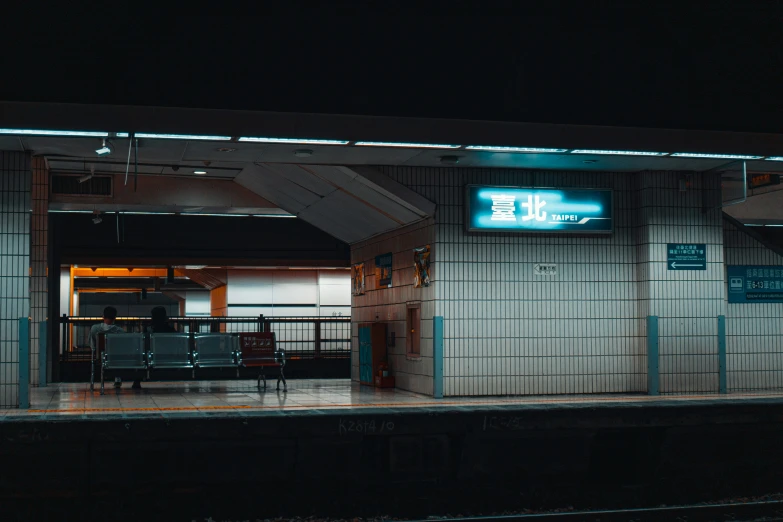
x=551 y=211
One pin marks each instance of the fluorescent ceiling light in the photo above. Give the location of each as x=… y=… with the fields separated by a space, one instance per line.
x=405 y=145
x=753 y=225
x=200 y=172
x=148 y=213
x=492 y=148
x=122 y=134
x=774 y=158
x=36 y=132
x=274 y=215
x=294 y=141
x=221 y=215
x=70 y=211
x=715 y=156
x=773 y=225
x=619 y=152
x=182 y=137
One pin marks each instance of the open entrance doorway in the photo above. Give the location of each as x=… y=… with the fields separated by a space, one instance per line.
x=219 y=276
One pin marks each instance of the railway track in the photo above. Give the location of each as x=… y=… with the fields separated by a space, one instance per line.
x=768 y=510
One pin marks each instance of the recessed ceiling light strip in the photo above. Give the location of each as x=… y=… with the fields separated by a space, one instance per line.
x=293 y=141
x=181 y=137
x=405 y=145
x=714 y=156
x=502 y=148
x=619 y=152
x=66 y=133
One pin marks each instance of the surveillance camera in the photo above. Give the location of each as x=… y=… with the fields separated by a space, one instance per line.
x=175 y=168
x=97 y=219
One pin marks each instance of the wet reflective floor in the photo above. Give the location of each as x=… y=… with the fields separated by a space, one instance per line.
x=303 y=396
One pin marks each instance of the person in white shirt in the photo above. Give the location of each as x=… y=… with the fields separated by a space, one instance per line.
x=106 y=327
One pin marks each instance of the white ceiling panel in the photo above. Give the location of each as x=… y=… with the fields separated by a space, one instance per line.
x=381 y=203
x=304 y=177
x=338 y=200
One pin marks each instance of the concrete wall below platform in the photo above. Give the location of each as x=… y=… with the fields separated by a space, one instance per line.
x=380 y=461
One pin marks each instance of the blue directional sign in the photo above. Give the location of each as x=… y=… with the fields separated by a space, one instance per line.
x=516 y=209
x=755 y=284
x=686 y=256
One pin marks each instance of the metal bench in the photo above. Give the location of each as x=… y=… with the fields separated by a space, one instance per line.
x=170 y=351
x=259 y=350
x=123 y=352
x=216 y=351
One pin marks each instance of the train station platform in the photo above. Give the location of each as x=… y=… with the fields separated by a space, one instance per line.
x=315 y=396
x=223 y=449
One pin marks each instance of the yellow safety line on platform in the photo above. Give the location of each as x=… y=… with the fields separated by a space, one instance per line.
x=394 y=404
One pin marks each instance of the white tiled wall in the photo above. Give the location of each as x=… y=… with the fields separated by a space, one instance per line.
x=15 y=183
x=389 y=305
x=687 y=303
x=293 y=293
x=39 y=292
x=509 y=331
x=754 y=331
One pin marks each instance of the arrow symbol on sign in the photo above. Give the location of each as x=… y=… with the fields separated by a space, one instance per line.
x=675 y=264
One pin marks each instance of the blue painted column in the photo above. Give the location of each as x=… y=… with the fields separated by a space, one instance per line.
x=722 y=381
x=42 y=347
x=652 y=355
x=24 y=362
x=437 y=356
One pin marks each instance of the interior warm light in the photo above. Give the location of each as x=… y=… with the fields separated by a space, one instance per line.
x=619 y=152
x=405 y=145
x=293 y=141
x=714 y=156
x=182 y=137
x=493 y=148
x=38 y=132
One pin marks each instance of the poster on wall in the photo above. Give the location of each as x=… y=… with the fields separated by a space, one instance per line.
x=357 y=276
x=383 y=270
x=550 y=211
x=421 y=260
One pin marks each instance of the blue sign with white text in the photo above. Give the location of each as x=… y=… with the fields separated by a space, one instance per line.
x=514 y=209
x=755 y=284
x=686 y=256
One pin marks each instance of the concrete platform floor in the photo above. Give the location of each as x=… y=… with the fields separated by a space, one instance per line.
x=304 y=397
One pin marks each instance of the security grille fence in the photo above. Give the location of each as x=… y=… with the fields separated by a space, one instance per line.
x=300 y=337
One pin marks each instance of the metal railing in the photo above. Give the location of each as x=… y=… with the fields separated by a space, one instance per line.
x=300 y=337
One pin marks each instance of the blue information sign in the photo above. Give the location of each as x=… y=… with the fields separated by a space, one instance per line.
x=686 y=256
x=516 y=209
x=755 y=284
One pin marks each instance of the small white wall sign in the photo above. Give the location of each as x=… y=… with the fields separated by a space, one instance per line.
x=545 y=269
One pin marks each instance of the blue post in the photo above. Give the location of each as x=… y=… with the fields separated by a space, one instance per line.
x=652 y=355
x=42 y=347
x=24 y=362
x=722 y=383
x=437 y=356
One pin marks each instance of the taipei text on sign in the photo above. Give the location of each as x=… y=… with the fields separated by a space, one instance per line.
x=514 y=209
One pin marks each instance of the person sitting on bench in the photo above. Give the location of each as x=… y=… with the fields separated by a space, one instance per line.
x=106 y=327
x=160 y=321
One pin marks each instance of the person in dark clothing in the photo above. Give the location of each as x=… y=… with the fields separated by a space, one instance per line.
x=160 y=324
x=160 y=321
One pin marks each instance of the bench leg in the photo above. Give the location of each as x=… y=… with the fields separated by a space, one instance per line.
x=102 y=390
x=260 y=377
x=279 y=377
x=92 y=372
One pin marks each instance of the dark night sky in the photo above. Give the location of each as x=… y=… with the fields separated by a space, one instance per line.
x=711 y=65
